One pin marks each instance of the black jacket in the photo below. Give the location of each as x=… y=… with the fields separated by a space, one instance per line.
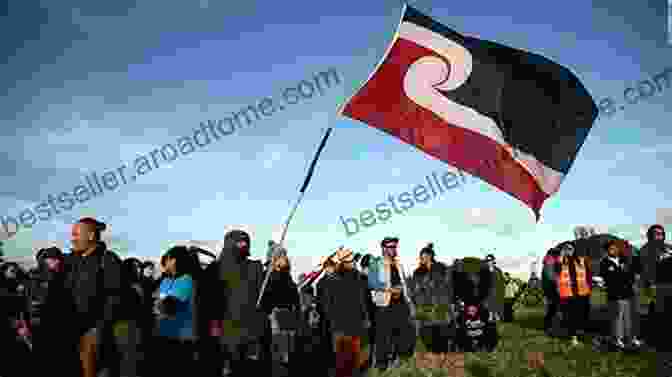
x=432 y=287
x=95 y=283
x=656 y=263
x=322 y=300
x=233 y=295
x=281 y=292
x=347 y=304
x=50 y=304
x=618 y=277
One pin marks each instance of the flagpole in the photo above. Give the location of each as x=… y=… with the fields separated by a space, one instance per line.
x=302 y=191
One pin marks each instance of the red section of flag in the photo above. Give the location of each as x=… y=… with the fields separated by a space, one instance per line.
x=382 y=104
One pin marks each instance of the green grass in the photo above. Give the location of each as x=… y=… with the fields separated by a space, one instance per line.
x=561 y=360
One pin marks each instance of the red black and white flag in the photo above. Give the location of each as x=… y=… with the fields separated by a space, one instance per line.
x=513 y=118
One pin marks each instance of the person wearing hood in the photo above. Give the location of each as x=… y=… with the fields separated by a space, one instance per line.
x=656 y=258
x=49 y=308
x=281 y=303
x=235 y=318
x=94 y=278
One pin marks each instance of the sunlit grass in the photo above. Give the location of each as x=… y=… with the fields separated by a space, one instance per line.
x=523 y=336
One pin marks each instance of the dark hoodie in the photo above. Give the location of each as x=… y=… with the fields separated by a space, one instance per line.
x=235 y=301
x=281 y=292
x=95 y=283
x=50 y=302
x=656 y=265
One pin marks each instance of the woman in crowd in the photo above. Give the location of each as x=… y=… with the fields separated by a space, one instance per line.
x=281 y=302
x=174 y=343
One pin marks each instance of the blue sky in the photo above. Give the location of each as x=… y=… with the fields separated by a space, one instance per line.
x=88 y=89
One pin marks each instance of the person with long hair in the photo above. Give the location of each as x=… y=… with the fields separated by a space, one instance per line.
x=175 y=331
x=281 y=302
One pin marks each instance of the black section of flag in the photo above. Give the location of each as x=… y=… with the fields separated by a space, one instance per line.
x=541 y=107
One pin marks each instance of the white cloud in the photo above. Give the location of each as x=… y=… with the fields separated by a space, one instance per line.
x=664 y=216
x=481 y=216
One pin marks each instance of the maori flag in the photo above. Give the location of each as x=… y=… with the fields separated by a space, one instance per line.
x=510 y=117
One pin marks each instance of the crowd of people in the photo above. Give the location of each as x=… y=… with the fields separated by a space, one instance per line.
x=568 y=286
x=85 y=311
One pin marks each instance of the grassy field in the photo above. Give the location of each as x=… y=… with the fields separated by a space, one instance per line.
x=525 y=336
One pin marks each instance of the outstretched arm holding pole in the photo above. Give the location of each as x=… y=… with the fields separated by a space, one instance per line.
x=302 y=191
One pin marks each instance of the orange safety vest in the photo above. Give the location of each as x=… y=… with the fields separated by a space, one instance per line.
x=565 y=280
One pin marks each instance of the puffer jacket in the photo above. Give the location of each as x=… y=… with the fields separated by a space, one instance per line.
x=432 y=287
x=96 y=285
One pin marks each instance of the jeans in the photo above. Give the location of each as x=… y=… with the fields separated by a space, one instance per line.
x=621 y=313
